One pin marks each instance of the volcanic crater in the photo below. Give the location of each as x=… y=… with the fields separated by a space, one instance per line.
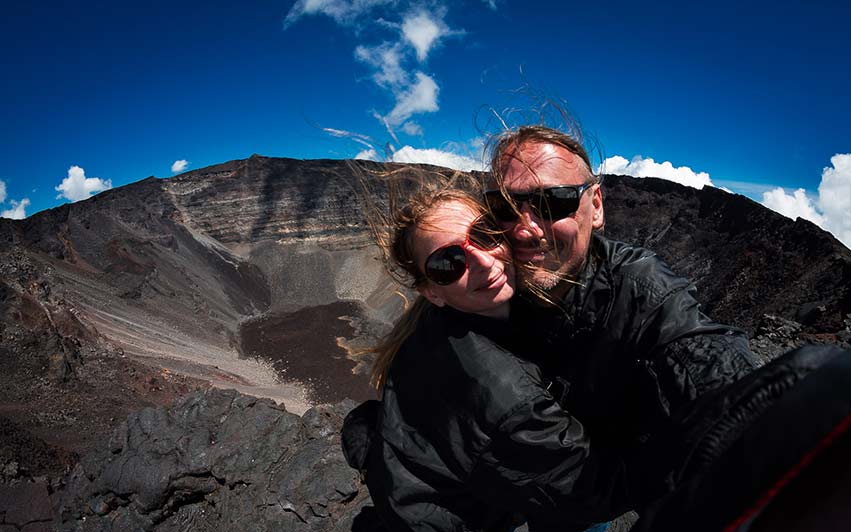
x=260 y=275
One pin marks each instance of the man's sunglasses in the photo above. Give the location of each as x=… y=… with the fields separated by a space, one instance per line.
x=448 y=264
x=552 y=204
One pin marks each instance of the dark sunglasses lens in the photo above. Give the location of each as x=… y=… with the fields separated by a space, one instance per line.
x=558 y=208
x=446 y=265
x=499 y=206
x=485 y=234
x=557 y=203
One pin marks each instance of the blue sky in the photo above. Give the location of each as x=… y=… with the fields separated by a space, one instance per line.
x=747 y=96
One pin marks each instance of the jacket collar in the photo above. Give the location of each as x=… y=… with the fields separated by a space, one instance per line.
x=590 y=302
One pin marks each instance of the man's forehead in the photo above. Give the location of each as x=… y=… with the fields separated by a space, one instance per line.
x=541 y=165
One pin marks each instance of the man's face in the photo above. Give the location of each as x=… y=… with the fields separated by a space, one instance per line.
x=550 y=250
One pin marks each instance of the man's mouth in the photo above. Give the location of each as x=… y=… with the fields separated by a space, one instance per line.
x=535 y=254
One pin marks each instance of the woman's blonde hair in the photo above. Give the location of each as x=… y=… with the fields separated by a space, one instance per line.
x=398 y=202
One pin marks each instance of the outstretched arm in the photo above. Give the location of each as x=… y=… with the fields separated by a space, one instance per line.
x=541 y=463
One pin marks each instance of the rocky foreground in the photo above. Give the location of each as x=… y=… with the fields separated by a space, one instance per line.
x=215 y=460
x=149 y=294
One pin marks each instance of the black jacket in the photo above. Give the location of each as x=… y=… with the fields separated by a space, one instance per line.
x=771 y=452
x=632 y=351
x=468 y=436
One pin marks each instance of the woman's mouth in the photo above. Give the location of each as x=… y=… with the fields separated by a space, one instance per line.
x=494 y=282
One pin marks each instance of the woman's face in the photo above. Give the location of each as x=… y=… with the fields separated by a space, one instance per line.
x=488 y=282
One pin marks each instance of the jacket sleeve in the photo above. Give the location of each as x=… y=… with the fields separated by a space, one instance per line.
x=540 y=463
x=687 y=352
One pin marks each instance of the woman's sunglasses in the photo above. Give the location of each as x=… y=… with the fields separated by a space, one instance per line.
x=552 y=204
x=447 y=264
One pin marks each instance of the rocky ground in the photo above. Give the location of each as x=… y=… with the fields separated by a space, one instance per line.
x=151 y=293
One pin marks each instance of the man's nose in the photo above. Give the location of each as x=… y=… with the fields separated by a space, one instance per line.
x=528 y=225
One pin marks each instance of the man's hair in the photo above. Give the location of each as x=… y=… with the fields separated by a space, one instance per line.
x=506 y=146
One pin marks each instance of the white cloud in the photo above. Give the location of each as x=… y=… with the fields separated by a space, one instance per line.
x=418 y=31
x=419 y=97
x=407 y=154
x=412 y=128
x=342 y=11
x=179 y=165
x=640 y=167
x=795 y=205
x=78 y=187
x=18 y=210
x=368 y=155
x=831 y=210
x=387 y=59
x=2 y=191
x=834 y=193
x=422 y=31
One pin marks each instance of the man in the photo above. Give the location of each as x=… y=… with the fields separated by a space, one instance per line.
x=624 y=335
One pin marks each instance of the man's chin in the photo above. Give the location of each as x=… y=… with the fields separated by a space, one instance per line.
x=539 y=278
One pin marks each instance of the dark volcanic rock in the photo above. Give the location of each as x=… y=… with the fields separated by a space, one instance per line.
x=745 y=259
x=121 y=301
x=218 y=461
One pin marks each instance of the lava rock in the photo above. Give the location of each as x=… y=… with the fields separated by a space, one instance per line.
x=218 y=460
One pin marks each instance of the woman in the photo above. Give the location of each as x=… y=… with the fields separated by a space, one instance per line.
x=467 y=436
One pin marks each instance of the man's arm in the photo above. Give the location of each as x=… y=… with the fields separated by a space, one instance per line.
x=688 y=352
x=540 y=463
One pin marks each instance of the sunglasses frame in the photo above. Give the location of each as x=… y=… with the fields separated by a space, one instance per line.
x=540 y=200
x=462 y=250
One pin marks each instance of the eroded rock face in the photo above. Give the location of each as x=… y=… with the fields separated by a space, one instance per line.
x=218 y=460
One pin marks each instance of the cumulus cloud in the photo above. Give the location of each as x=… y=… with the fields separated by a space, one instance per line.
x=2 y=191
x=78 y=187
x=423 y=31
x=407 y=154
x=18 y=210
x=411 y=155
x=419 y=97
x=835 y=197
x=412 y=128
x=641 y=167
x=830 y=210
x=344 y=12
x=394 y=61
x=368 y=154
x=386 y=58
x=179 y=165
x=794 y=205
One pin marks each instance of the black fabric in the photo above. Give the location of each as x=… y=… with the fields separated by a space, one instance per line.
x=740 y=444
x=469 y=438
x=471 y=432
x=359 y=429
x=636 y=351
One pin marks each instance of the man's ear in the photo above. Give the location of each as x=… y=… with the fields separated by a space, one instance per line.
x=598 y=219
x=427 y=292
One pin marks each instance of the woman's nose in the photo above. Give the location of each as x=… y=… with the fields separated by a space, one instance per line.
x=478 y=258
